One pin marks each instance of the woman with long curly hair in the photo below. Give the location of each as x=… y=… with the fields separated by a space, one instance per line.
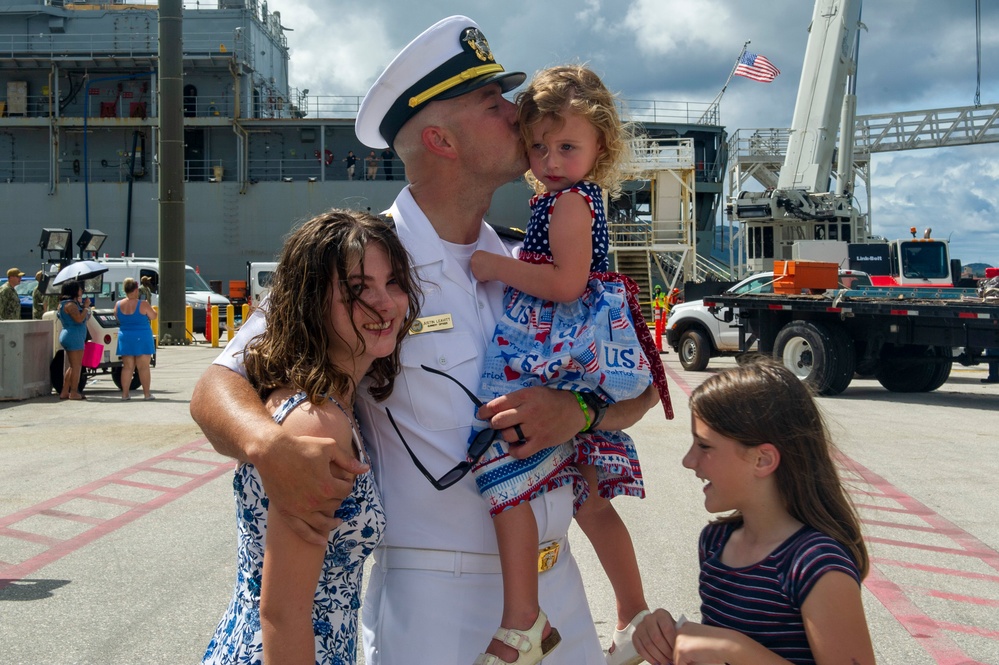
x=341 y=300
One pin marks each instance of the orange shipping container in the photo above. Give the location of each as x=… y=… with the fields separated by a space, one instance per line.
x=796 y=276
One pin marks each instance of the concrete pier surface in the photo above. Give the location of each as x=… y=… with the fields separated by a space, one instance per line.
x=117 y=534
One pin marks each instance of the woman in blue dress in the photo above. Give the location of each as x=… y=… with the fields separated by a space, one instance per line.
x=73 y=314
x=135 y=337
x=341 y=300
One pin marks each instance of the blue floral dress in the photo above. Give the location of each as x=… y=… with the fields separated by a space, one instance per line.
x=597 y=343
x=238 y=638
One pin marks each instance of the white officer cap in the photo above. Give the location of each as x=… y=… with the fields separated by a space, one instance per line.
x=449 y=59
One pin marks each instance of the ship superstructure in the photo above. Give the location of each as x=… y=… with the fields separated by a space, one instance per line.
x=79 y=123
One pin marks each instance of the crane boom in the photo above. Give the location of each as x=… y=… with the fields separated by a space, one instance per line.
x=829 y=60
x=802 y=207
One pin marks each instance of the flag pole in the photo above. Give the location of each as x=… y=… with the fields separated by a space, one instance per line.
x=717 y=100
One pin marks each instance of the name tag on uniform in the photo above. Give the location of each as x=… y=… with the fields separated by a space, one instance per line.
x=431 y=324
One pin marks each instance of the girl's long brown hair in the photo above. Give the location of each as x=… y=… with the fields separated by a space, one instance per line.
x=316 y=258
x=760 y=402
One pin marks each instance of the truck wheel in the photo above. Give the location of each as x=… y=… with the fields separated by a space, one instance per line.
x=845 y=359
x=812 y=354
x=695 y=351
x=940 y=375
x=902 y=370
x=941 y=371
x=116 y=377
x=56 y=373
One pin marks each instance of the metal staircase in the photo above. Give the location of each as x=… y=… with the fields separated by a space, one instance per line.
x=669 y=236
x=635 y=264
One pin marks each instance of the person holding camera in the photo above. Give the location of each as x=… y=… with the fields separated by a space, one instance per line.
x=73 y=312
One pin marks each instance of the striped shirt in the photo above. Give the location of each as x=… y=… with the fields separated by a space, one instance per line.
x=763 y=601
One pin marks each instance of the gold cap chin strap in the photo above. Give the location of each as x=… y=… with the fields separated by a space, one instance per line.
x=468 y=74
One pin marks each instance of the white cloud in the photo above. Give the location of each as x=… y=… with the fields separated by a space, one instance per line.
x=664 y=27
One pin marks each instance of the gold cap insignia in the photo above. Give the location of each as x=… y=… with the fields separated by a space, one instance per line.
x=477 y=42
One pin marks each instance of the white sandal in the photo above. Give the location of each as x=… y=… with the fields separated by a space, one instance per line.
x=529 y=643
x=624 y=652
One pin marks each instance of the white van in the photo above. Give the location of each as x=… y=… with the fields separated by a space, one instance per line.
x=197 y=293
x=258 y=280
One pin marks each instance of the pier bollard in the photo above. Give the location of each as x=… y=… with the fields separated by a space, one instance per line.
x=246 y=313
x=189 y=323
x=230 y=322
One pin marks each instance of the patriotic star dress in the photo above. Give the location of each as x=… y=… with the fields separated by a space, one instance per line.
x=593 y=344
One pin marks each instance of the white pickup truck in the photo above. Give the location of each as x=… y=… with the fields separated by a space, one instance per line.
x=697 y=335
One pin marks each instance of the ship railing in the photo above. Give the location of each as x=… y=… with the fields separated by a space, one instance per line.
x=296 y=169
x=300 y=169
x=296 y=105
x=652 y=110
x=631 y=233
x=99 y=46
x=21 y=171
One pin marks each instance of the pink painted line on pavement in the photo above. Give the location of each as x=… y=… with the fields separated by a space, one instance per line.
x=930 y=634
x=61 y=548
x=968 y=544
x=899 y=525
x=970 y=630
x=958 y=597
x=955 y=551
x=951 y=572
x=30 y=537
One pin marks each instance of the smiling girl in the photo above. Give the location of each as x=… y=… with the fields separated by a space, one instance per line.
x=781 y=569
x=341 y=299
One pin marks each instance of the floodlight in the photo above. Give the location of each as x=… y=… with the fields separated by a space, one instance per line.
x=90 y=241
x=55 y=240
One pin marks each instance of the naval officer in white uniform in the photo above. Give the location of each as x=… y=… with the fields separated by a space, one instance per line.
x=435 y=593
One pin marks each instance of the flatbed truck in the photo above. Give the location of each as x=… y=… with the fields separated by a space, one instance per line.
x=906 y=338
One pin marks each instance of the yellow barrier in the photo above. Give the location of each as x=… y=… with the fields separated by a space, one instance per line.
x=189 y=323
x=155 y=324
x=230 y=323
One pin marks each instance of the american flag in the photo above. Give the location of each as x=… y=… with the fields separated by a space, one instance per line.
x=756 y=67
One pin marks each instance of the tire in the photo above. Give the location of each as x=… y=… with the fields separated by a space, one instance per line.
x=902 y=371
x=845 y=358
x=116 y=377
x=694 y=351
x=814 y=355
x=56 y=373
x=940 y=376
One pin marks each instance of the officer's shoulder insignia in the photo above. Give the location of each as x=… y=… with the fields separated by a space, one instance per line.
x=509 y=233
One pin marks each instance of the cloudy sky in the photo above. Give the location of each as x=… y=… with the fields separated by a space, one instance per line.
x=915 y=55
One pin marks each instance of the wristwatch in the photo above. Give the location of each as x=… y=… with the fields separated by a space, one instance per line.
x=598 y=406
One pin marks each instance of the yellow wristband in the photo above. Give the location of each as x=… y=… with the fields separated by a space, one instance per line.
x=585 y=410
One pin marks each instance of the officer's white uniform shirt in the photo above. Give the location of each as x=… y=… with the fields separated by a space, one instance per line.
x=413 y=616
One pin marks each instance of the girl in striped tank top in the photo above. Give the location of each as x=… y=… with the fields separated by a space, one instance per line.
x=781 y=570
